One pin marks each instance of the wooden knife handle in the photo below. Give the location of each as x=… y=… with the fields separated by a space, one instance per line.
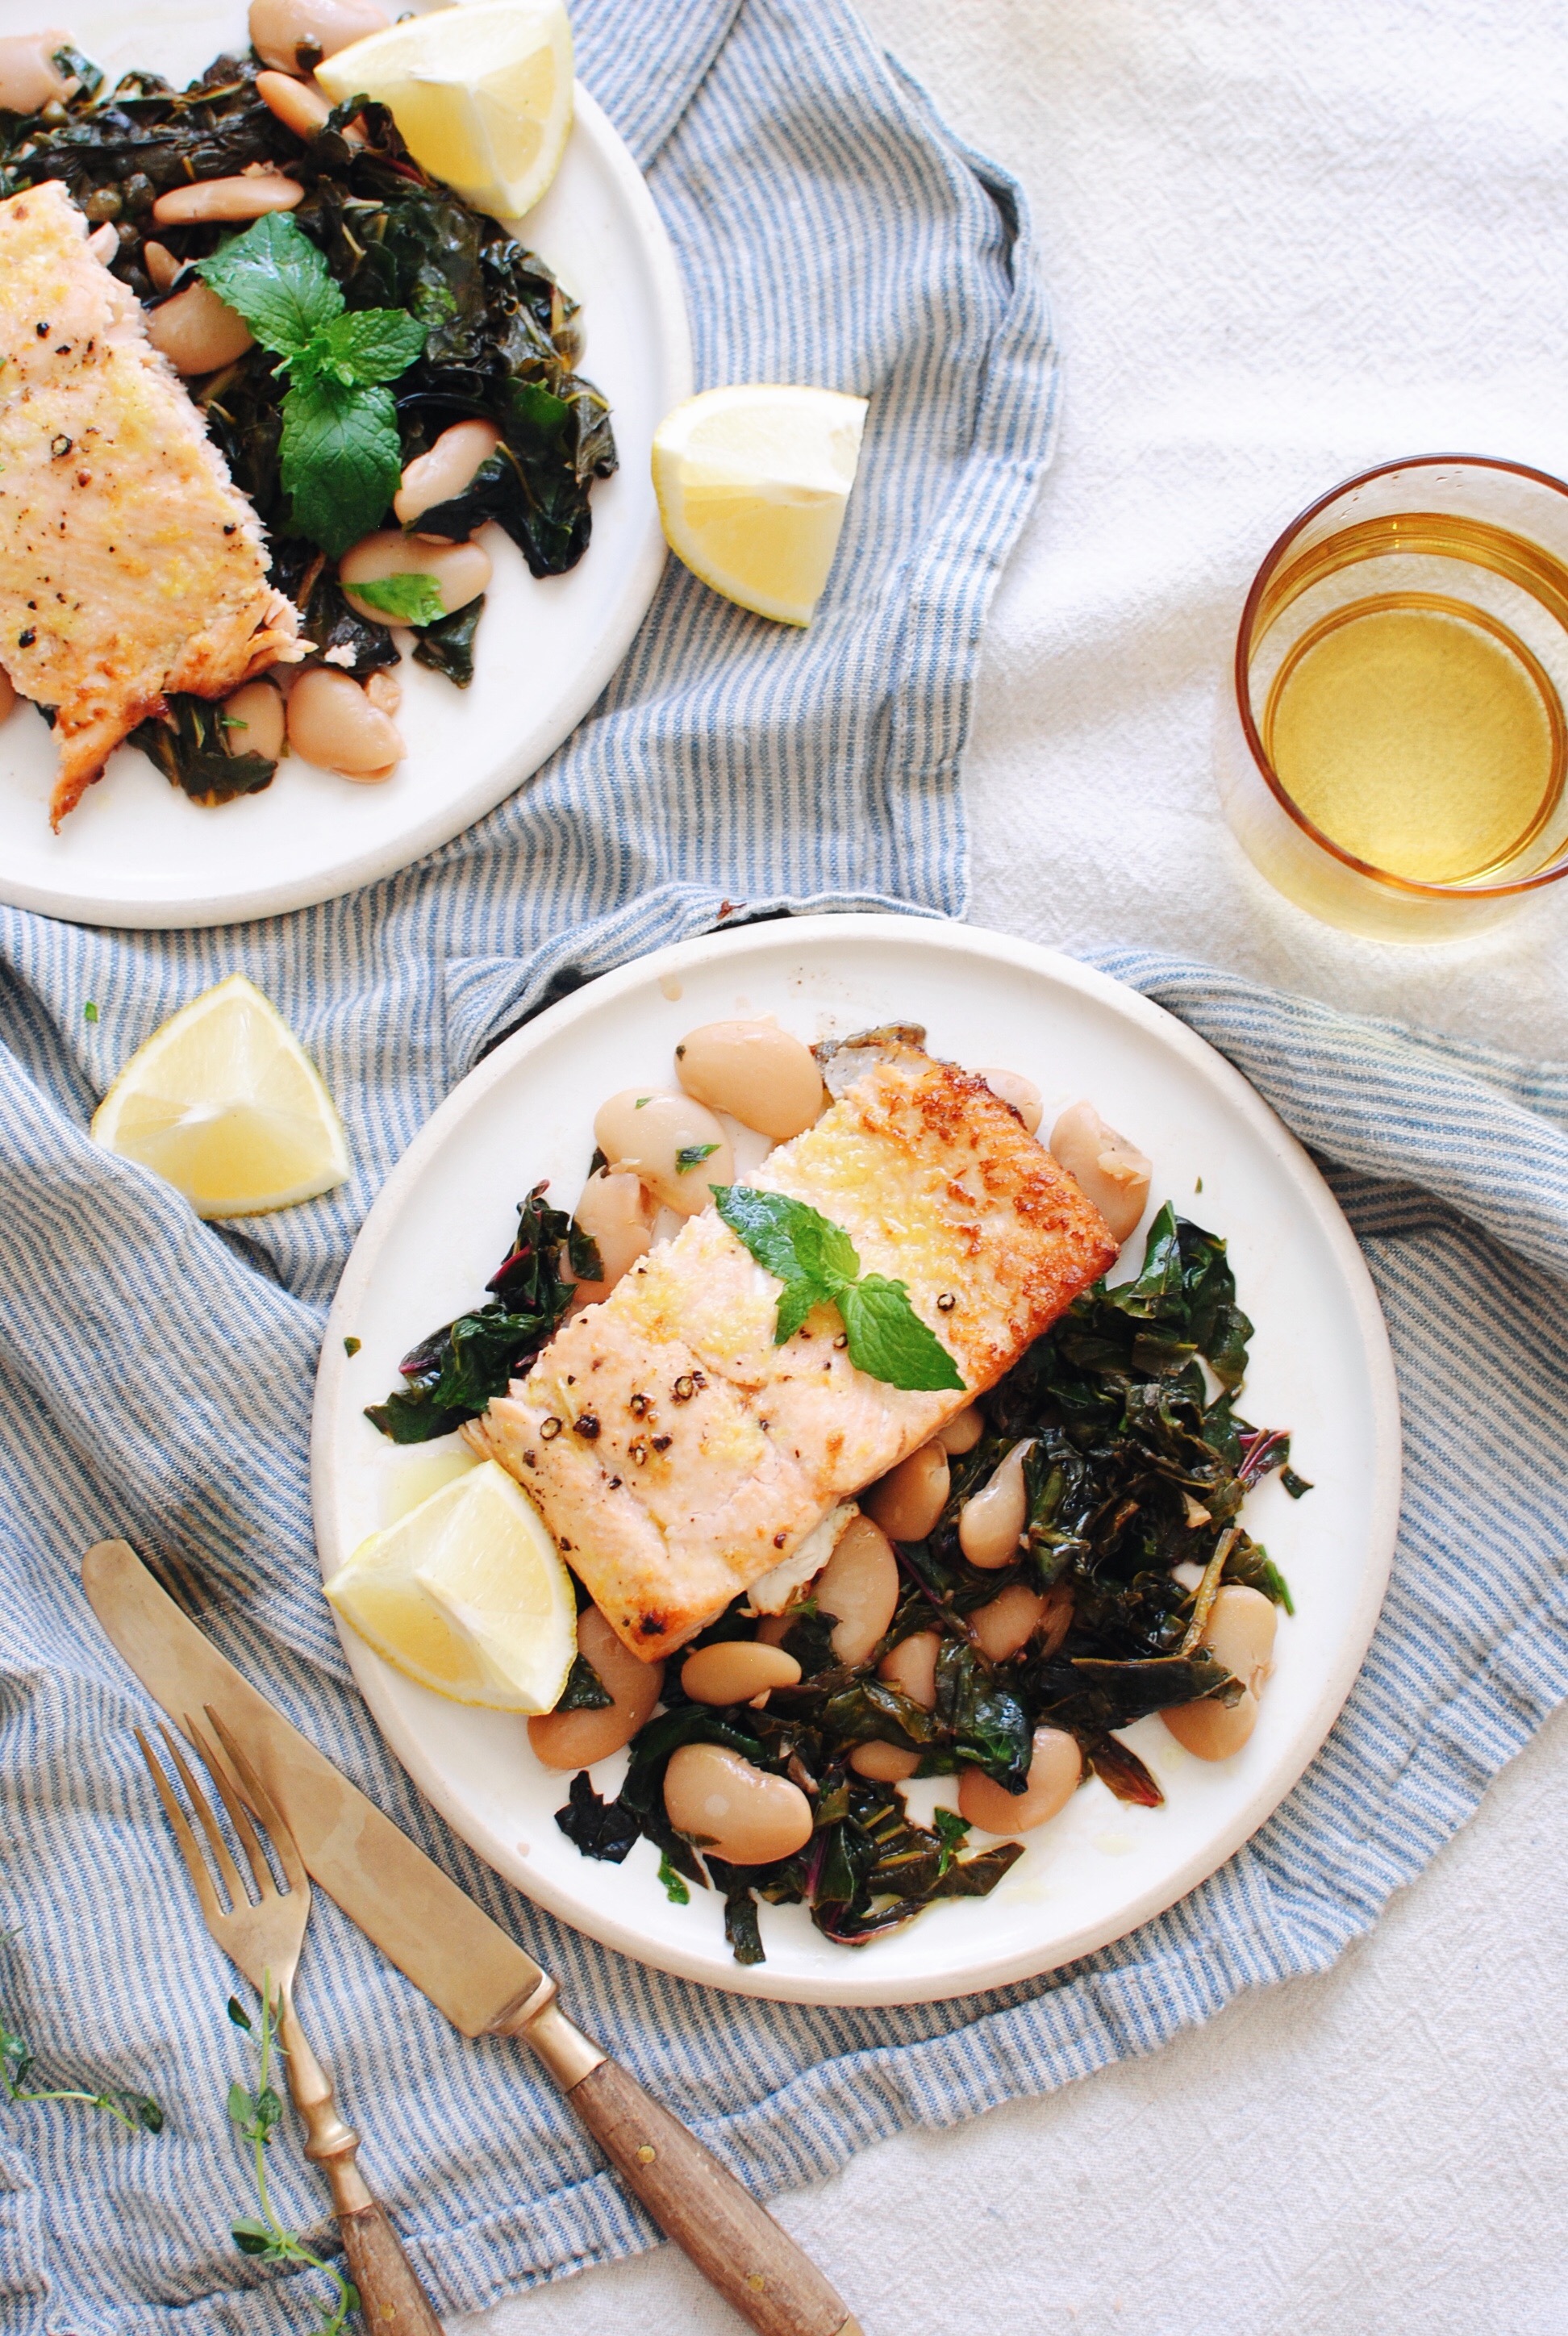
x=392 y=2302
x=735 y=2242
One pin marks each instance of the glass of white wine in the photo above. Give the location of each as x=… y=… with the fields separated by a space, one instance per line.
x=1392 y=747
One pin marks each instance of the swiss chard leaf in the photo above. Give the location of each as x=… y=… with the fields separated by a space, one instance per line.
x=447 y=646
x=598 y=1827
x=584 y=1689
x=198 y=750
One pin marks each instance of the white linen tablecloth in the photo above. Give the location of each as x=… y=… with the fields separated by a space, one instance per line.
x=1283 y=242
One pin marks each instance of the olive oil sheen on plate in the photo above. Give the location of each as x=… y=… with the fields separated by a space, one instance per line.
x=1409 y=717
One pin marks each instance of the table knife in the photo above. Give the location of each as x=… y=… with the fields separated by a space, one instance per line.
x=466 y=1964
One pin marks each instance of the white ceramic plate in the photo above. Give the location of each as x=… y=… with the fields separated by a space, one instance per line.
x=136 y=852
x=1320 y=1366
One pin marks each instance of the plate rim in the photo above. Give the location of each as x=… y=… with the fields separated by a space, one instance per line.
x=860 y=1985
x=444 y=823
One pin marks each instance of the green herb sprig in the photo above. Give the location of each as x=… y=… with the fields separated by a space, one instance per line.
x=341 y=457
x=254 y=2117
x=412 y=597
x=136 y=2112
x=818 y=1264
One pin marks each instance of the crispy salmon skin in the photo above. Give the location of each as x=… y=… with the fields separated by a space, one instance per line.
x=678 y=1455
x=130 y=563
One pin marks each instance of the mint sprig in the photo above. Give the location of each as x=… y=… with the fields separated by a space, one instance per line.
x=409 y=597
x=341 y=457
x=818 y=1264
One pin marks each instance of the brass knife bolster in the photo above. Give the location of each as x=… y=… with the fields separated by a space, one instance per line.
x=538 y=2019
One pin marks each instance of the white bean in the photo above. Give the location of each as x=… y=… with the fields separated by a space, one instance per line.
x=734 y=1670
x=253 y=721
x=195 y=332
x=617 y=1215
x=1008 y=1622
x=29 y=77
x=299 y=105
x=912 y=1666
x=859 y=1585
x=104 y=242
x=911 y=1497
x=885 y=1763
x=280 y=30
x=991 y=1519
x=1107 y=1169
x=1056 y=1772
x=250 y=195
x=754 y=1071
x=647 y=1131
x=445 y=471
x=161 y=264
x=963 y=1431
x=1240 y=1632
x=332 y=724
x=576 y=1739
x=459 y=571
x=741 y=1813
x=1024 y=1095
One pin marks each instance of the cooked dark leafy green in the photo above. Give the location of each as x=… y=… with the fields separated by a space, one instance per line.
x=499 y=341
x=189 y=745
x=1132 y=1472
x=453 y=1373
x=584 y=1689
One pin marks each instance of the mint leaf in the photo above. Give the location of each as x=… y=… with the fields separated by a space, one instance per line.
x=342 y=460
x=411 y=598
x=786 y=1236
x=888 y=1341
x=277 y=280
x=796 y=1302
x=692 y=1155
x=367 y=346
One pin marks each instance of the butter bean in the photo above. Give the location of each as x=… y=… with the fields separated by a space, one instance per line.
x=161 y=264
x=254 y=719
x=576 y=1739
x=991 y=1519
x=754 y=1071
x=859 y=1585
x=742 y=1813
x=911 y=1497
x=734 y=1670
x=1008 y=1622
x=195 y=332
x=294 y=35
x=616 y=1213
x=299 y=105
x=912 y=1666
x=29 y=77
x=460 y=570
x=250 y=195
x=103 y=242
x=963 y=1431
x=885 y=1763
x=332 y=724
x=645 y=1131
x=1056 y=1772
x=1107 y=1169
x=445 y=471
x=1021 y=1092
x=1240 y=1632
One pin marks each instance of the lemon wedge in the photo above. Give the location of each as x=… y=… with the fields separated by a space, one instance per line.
x=467 y=1595
x=752 y=485
x=481 y=94
x=223 y=1102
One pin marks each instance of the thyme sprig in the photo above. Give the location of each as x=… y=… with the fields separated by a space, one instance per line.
x=136 y=2112
x=254 y=2116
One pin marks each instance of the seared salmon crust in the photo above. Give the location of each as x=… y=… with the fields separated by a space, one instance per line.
x=678 y=1455
x=130 y=563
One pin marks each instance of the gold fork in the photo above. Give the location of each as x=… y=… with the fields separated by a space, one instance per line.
x=263 y=1937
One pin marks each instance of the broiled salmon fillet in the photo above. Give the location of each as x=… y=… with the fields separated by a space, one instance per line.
x=678 y=1455
x=130 y=562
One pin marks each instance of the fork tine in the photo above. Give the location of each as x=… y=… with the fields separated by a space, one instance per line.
x=202 y=1807
x=216 y=1768
x=195 y=1863
x=276 y=1825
